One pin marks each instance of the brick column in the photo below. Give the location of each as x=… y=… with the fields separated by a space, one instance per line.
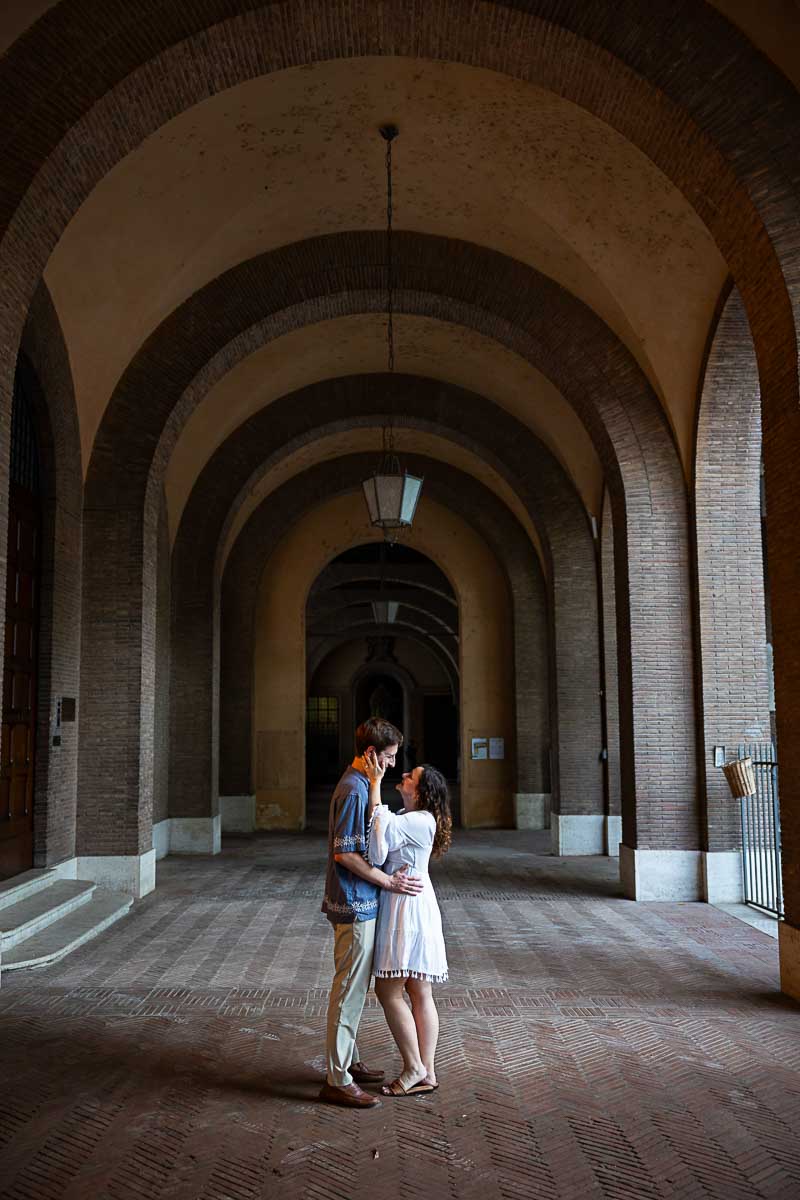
x=44 y=353
x=781 y=457
x=611 y=680
x=730 y=583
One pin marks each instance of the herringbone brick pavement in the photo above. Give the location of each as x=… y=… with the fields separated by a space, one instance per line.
x=590 y=1047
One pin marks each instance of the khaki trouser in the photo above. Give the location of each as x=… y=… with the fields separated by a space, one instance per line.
x=352 y=957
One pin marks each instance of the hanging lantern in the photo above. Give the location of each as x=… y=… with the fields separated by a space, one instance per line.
x=385 y=611
x=391 y=493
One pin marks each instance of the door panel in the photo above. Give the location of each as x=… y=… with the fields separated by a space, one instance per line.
x=19 y=686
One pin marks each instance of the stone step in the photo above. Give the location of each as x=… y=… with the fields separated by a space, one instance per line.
x=62 y=937
x=19 y=887
x=40 y=909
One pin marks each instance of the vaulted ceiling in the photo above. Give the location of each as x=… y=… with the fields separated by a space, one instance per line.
x=483 y=157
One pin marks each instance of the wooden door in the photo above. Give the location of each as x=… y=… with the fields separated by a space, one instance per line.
x=17 y=755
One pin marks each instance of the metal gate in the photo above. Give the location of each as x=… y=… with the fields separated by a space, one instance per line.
x=761 y=832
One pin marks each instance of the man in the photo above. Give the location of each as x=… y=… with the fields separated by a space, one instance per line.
x=352 y=888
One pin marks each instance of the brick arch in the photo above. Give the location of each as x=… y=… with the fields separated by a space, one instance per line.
x=541 y=485
x=421 y=604
x=286 y=426
x=720 y=144
x=318 y=655
x=503 y=299
x=239 y=590
x=732 y=624
x=45 y=355
x=453 y=489
x=652 y=84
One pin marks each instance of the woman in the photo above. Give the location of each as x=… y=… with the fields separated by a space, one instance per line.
x=409 y=946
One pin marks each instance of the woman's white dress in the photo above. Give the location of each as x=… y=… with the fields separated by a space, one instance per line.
x=408 y=936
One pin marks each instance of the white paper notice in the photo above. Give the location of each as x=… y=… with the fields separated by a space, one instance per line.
x=497 y=747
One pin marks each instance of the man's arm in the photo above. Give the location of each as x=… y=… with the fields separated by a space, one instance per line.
x=399 y=882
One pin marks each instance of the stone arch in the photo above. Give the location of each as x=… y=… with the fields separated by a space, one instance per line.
x=531 y=619
x=44 y=356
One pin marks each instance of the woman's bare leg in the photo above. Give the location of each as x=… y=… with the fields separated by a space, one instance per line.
x=426 y=1020
x=404 y=1031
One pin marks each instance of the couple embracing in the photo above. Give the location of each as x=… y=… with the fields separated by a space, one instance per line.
x=386 y=922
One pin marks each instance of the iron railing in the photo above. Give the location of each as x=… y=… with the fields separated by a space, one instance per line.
x=761 y=832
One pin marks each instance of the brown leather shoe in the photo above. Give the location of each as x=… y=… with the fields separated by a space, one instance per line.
x=364 y=1074
x=352 y=1096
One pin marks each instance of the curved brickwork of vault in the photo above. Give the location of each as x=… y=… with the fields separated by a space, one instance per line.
x=461 y=416
x=329 y=645
x=517 y=306
x=455 y=490
x=646 y=63
x=758 y=143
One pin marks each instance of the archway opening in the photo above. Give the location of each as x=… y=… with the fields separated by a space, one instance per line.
x=381 y=640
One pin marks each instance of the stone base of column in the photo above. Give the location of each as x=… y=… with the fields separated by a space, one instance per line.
x=131 y=873
x=613 y=835
x=573 y=834
x=531 y=810
x=722 y=877
x=161 y=831
x=661 y=874
x=238 y=814
x=195 y=835
x=789 y=951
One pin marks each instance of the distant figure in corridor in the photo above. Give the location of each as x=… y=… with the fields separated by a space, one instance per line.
x=409 y=945
x=352 y=888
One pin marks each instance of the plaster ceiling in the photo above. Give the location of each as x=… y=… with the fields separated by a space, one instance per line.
x=367 y=441
x=356 y=345
x=295 y=154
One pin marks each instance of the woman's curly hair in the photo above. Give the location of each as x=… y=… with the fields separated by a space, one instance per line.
x=433 y=797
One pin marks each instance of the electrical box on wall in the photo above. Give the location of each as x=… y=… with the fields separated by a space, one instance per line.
x=63 y=714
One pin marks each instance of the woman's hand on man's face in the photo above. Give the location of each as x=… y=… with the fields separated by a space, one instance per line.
x=375 y=767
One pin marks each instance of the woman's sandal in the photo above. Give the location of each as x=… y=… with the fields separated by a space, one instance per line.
x=395 y=1088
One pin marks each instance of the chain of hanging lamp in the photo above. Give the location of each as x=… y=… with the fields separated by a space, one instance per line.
x=389 y=133
x=390 y=493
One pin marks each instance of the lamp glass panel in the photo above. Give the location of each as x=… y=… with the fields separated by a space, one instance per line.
x=385 y=611
x=412 y=486
x=389 y=489
x=371 y=498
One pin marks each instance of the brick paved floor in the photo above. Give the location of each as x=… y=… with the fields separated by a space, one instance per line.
x=590 y=1047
